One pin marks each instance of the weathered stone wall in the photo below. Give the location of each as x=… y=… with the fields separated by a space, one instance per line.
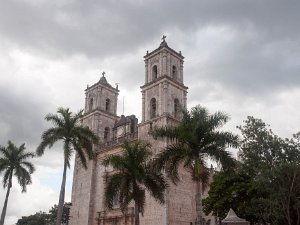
x=100 y=181
x=154 y=212
x=81 y=194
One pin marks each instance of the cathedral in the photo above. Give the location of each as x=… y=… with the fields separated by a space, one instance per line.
x=162 y=93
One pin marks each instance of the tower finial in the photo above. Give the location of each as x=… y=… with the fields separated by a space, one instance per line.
x=103 y=73
x=163 y=38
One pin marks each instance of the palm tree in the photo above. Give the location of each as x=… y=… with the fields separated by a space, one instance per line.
x=195 y=139
x=68 y=129
x=132 y=174
x=13 y=162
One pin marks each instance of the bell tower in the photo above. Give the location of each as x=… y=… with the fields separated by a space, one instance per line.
x=101 y=108
x=163 y=92
x=163 y=95
x=100 y=116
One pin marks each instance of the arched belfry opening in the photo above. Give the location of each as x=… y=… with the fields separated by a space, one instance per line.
x=153 y=108
x=176 y=107
x=154 y=72
x=174 y=72
x=106 y=134
x=91 y=103
x=107 y=105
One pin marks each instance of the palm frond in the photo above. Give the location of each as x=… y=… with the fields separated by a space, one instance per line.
x=6 y=177
x=85 y=132
x=4 y=164
x=196 y=137
x=170 y=159
x=49 y=137
x=25 y=156
x=116 y=161
x=23 y=177
x=30 y=167
x=217 y=120
x=67 y=152
x=154 y=183
x=112 y=188
x=21 y=149
x=134 y=172
x=126 y=195
x=139 y=198
x=170 y=133
x=55 y=119
x=80 y=154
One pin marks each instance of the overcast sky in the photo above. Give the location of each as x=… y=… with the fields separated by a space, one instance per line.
x=241 y=57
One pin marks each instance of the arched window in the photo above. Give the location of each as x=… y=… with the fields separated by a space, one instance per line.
x=174 y=72
x=176 y=107
x=116 y=200
x=91 y=104
x=107 y=105
x=154 y=72
x=152 y=108
x=106 y=133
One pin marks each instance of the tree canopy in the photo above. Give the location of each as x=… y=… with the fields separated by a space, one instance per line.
x=265 y=187
x=43 y=218
x=14 y=162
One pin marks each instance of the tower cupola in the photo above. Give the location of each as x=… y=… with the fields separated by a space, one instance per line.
x=163 y=91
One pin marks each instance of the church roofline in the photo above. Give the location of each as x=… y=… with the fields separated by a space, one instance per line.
x=163 y=45
x=103 y=82
x=102 y=85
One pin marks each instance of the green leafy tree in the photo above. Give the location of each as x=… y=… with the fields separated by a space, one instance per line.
x=236 y=190
x=66 y=212
x=196 y=139
x=76 y=138
x=266 y=183
x=14 y=162
x=132 y=175
x=39 y=218
x=274 y=164
x=43 y=218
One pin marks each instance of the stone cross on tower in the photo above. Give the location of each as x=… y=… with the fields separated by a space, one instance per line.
x=163 y=37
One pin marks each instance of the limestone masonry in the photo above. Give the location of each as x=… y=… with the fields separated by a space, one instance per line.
x=162 y=94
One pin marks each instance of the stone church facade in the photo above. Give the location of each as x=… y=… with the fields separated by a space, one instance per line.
x=162 y=94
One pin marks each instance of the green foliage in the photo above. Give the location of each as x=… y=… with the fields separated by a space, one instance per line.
x=196 y=138
x=13 y=162
x=271 y=166
x=65 y=215
x=235 y=190
x=39 y=218
x=132 y=174
x=43 y=218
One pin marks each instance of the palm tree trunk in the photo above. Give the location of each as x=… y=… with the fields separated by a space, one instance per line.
x=62 y=196
x=136 y=214
x=6 y=200
x=199 y=220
